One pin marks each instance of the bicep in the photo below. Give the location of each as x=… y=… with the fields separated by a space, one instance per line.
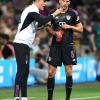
x=79 y=27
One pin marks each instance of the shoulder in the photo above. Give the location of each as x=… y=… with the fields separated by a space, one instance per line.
x=75 y=12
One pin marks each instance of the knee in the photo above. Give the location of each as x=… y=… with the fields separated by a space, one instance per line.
x=26 y=70
x=51 y=73
x=69 y=72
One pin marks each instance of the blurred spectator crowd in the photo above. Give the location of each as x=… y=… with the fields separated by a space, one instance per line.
x=10 y=11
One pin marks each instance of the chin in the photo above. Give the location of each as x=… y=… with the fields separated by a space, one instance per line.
x=66 y=7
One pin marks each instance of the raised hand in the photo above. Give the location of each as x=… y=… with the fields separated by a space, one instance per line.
x=57 y=12
x=59 y=35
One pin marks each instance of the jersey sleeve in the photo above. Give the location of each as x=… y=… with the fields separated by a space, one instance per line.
x=39 y=18
x=76 y=18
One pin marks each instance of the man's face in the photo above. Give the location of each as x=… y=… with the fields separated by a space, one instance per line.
x=64 y=3
x=41 y=4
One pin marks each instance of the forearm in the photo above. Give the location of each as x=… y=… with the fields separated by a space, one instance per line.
x=42 y=20
x=77 y=29
x=51 y=31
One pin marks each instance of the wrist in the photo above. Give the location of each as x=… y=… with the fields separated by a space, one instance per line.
x=53 y=33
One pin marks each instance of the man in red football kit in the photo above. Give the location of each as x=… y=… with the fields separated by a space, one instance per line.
x=62 y=50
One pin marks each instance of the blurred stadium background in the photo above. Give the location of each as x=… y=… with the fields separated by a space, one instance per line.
x=86 y=75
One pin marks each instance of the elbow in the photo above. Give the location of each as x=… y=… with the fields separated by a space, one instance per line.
x=42 y=22
x=81 y=30
x=80 y=27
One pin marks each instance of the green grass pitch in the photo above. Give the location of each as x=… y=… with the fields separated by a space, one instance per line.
x=84 y=91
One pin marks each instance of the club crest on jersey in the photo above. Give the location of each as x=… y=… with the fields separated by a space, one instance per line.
x=68 y=17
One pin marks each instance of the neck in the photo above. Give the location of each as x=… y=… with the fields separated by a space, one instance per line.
x=36 y=4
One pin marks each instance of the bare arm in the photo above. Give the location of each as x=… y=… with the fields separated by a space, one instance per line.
x=51 y=31
x=44 y=19
x=77 y=28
